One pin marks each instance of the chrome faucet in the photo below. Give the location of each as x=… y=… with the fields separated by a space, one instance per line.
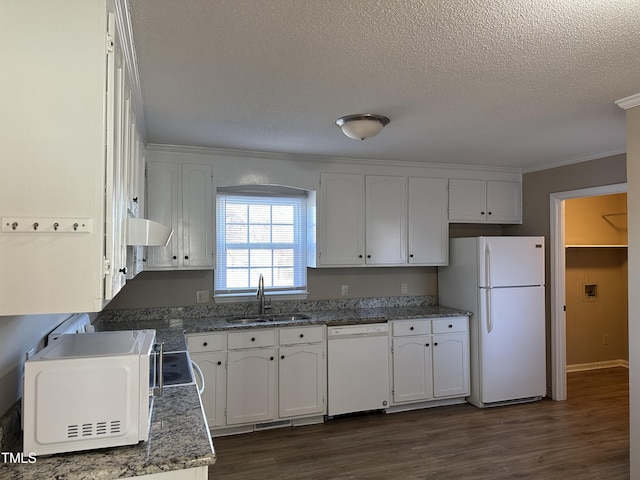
x=260 y=295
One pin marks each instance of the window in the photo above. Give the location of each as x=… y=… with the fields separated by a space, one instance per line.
x=260 y=234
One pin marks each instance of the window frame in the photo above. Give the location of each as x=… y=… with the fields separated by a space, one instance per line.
x=299 y=289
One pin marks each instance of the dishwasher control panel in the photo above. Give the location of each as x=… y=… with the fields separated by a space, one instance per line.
x=357 y=330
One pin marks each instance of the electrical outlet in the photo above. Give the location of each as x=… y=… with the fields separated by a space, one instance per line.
x=345 y=290
x=202 y=296
x=605 y=339
x=404 y=288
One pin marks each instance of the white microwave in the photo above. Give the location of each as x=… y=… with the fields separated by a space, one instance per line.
x=89 y=390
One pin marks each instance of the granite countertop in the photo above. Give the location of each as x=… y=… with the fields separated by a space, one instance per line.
x=173 y=329
x=328 y=317
x=179 y=439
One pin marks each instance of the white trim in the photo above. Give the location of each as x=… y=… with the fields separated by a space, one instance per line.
x=125 y=30
x=571 y=161
x=629 y=102
x=558 y=300
x=244 y=298
x=157 y=147
x=582 y=367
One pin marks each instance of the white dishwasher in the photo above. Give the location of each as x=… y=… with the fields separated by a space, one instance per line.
x=358 y=368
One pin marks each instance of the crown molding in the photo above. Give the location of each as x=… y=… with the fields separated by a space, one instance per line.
x=156 y=147
x=629 y=102
x=571 y=161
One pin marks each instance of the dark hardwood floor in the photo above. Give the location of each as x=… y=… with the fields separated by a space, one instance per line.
x=585 y=437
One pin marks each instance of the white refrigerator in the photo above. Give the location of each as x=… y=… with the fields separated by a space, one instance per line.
x=501 y=281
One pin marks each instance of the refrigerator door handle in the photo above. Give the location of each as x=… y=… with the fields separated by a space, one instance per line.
x=487 y=282
x=487 y=265
x=489 y=295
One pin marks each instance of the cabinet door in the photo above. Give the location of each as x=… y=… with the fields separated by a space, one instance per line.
x=467 y=200
x=386 y=220
x=341 y=219
x=197 y=216
x=214 y=397
x=504 y=202
x=428 y=227
x=251 y=389
x=450 y=364
x=162 y=207
x=412 y=370
x=302 y=380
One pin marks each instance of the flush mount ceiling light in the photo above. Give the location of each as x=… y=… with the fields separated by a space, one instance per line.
x=362 y=125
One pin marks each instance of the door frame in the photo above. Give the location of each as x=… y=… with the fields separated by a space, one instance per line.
x=558 y=293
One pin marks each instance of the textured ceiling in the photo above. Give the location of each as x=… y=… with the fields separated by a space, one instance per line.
x=515 y=83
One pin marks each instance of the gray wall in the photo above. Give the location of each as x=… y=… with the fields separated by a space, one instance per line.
x=536 y=190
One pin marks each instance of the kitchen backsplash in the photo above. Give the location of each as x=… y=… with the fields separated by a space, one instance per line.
x=251 y=308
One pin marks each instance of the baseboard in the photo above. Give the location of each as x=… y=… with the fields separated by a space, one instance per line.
x=580 y=367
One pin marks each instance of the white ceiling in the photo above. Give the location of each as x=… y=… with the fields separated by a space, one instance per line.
x=512 y=83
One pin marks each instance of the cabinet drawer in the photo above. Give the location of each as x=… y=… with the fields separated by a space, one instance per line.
x=251 y=339
x=450 y=324
x=296 y=335
x=210 y=342
x=411 y=327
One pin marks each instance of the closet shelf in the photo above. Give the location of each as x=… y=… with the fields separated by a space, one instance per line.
x=595 y=246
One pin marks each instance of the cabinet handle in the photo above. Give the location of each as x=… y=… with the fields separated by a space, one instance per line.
x=368 y=256
x=281 y=357
x=411 y=328
x=426 y=344
x=359 y=256
x=135 y=199
x=271 y=358
x=204 y=344
x=219 y=363
x=481 y=213
x=435 y=344
x=123 y=270
x=174 y=257
x=489 y=213
x=411 y=255
x=186 y=257
x=253 y=339
x=450 y=326
x=302 y=335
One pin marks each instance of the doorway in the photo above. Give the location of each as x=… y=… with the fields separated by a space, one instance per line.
x=558 y=282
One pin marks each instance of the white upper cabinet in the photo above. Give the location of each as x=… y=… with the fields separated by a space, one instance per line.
x=340 y=232
x=180 y=196
x=63 y=129
x=485 y=201
x=385 y=220
x=428 y=228
x=375 y=220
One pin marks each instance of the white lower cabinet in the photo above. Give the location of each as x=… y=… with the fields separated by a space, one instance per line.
x=302 y=368
x=412 y=368
x=450 y=365
x=251 y=386
x=261 y=376
x=214 y=370
x=430 y=359
x=207 y=350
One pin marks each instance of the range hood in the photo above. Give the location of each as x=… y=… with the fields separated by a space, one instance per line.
x=141 y=231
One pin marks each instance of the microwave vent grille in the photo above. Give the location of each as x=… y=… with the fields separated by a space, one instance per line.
x=113 y=427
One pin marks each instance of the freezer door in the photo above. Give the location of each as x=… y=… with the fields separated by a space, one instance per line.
x=510 y=261
x=512 y=344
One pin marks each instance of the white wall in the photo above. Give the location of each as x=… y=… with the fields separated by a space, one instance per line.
x=19 y=334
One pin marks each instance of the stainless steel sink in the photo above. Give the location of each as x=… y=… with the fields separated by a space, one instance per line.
x=247 y=320
x=289 y=318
